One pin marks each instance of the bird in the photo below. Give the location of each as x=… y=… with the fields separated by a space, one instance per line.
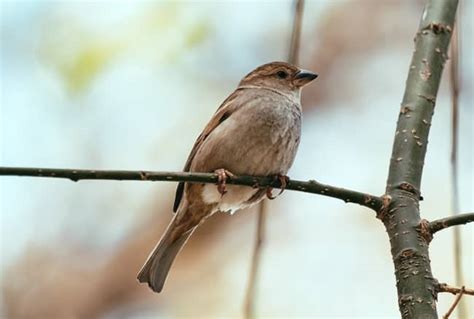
x=255 y=131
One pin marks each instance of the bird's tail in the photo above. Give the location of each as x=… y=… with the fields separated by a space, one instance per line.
x=157 y=266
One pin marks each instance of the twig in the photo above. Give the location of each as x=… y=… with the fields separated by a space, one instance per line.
x=454 y=84
x=249 y=307
x=293 y=56
x=415 y=282
x=260 y=237
x=349 y=196
x=442 y=287
x=458 y=219
x=455 y=303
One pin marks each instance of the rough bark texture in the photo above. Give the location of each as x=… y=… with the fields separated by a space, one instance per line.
x=415 y=282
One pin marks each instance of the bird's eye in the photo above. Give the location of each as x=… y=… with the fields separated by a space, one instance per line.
x=282 y=74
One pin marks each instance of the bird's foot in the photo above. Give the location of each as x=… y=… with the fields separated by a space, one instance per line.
x=269 y=193
x=283 y=182
x=222 y=175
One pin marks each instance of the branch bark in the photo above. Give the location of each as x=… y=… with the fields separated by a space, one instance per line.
x=311 y=186
x=455 y=303
x=455 y=86
x=455 y=220
x=249 y=305
x=415 y=282
x=454 y=290
x=294 y=50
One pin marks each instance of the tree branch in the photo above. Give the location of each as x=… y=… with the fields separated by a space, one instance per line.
x=311 y=186
x=454 y=290
x=294 y=50
x=293 y=57
x=249 y=305
x=455 y=88
x=415 y=282
x=455 y=220
x=455 y=303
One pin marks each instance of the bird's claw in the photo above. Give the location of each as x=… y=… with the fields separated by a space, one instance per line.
x=269 y=193
x=222 y=175
x=283 y=182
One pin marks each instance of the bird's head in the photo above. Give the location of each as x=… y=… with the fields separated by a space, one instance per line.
x=279 y=76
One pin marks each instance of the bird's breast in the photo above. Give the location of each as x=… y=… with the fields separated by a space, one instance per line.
x=260 y=139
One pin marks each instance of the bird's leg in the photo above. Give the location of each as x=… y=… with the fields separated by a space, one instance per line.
x=222 y=175
x=283 y=182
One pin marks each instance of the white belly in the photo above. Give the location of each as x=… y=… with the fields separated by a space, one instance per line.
x=230 y=202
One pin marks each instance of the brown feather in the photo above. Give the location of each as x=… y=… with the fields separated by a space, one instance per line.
x=224 y=111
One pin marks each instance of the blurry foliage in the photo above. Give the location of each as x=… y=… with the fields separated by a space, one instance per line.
x=86 y=63
x=197 y=35
x=79 y=55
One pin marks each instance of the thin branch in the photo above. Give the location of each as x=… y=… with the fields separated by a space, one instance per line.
x=249 y=306
x=442 y=287
x=455 y=86
x=349 y=196
x=455 y=303
x=409 y=248
x=293 y=56
x=455 y=220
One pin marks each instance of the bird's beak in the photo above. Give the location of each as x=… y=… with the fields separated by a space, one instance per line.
x=303 y=77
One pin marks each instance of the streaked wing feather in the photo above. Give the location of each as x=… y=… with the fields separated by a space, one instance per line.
x=224 y=111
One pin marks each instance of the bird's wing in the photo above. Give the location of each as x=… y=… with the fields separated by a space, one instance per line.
x=223 y=112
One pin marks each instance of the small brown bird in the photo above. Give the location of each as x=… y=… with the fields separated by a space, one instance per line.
x=256 y=131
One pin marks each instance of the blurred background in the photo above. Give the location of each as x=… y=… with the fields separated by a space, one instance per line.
x=130 y=85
